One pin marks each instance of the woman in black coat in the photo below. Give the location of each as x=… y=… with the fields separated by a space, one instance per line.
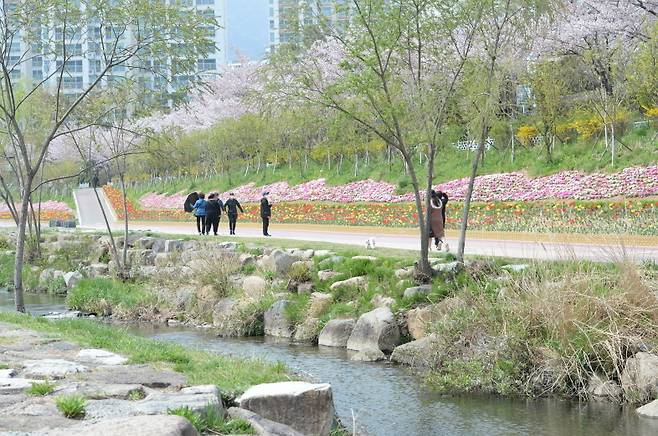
x=214 y=208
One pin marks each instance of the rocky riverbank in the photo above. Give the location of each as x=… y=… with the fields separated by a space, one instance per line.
x=562 y=328
x=51 y=386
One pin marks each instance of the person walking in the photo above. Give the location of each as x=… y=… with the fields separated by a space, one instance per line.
x=444 y=202
x=437 y=230
x=265 y=213
x=200 y=213
x=231 y=206
x=214 y=209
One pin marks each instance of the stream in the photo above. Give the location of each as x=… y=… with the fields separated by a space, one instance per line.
x=386 y=399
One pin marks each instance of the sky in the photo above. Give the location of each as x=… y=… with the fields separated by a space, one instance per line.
x=247 y=28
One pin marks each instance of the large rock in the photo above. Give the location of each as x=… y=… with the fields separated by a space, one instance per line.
x=327 y=274
x=308 y=408
x=600 y=387
x=382 y=301
x=447 y=268
x=516 y=267
x=14 y=385
x=375 y=329
x=150 y=243
x=320 y=302
x=417 y=290
x=336 y=333
x=100 y=357
x=639 y=380
x=173 y=245
x=307 y=331
x=276 y=320
x=162 y=259
x=144 y=375
x=156 y=425
x=223 y=312
x=279 y=261
x=649 y=410
x=254 y=287
x=420 y=319
x=51 y=368
x=72 y=278
x=368 y=258
x=261 y=425
x=330 y=262
x=404 y=273
x=425 y=352
x=98 y=270
x=368 y=355
x=355 y=282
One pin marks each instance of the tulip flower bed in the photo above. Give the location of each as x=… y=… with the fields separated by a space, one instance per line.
x=50 y=210
x=637 y=216
x=635 y=182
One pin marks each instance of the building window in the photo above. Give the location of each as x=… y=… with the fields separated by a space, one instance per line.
x=37 y=74
x=205 y=2
x=71 y=66
x=207 y=64
x=71 y=82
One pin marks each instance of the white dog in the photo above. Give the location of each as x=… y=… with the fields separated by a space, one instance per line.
x=370 y=243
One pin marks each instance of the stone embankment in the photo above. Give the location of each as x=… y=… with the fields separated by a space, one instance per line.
x=130 y=399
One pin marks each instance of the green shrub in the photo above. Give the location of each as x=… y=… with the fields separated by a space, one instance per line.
x=5 y=244
x=102 y=296
x=296 y=311
x=56 y=286
x=40 y=389
x=300 y=272
x=211 y=421
x=71 y=406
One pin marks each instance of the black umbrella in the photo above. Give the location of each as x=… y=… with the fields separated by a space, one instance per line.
x=189 y=202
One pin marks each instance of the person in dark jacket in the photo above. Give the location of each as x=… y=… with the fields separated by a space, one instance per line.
x=214 y=208
x=231 y=206
x=265 y=213
x=200 y=213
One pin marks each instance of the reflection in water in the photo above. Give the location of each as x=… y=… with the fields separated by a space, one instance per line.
x=389 y=400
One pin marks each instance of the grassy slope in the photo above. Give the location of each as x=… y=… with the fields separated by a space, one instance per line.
x=232 y=375
x=451 y=164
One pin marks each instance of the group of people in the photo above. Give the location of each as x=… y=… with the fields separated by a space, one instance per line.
x=208 y=212
x=437 y=218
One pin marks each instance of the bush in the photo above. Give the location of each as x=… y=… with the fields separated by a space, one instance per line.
x=40 y=389
x=5 y=244
x=300 y=272
x=211 y=421
x=71 y=406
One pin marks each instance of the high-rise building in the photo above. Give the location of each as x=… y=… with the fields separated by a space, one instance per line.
x=288 y=17
x=84 y=61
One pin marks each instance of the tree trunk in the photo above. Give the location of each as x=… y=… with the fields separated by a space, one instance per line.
x=20 y=246
x=424 y=264
x=124 y=272
x=612 y=141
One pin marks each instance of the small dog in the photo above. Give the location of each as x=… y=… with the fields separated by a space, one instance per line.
x=370 y=243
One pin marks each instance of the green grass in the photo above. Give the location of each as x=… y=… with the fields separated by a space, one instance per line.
x=40 y=389
x=71 y=406
x=102 y=294
x=4 y=366
x=232 y=375
x=210 y=421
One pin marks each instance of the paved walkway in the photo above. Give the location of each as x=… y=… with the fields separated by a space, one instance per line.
x=516 y=245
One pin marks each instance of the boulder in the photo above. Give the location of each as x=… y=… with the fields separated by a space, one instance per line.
x=261 y=425
x=327 y=274
x=425 y=352
x=381 y=301
x=247 y=259
x=415 y=291
x=228 y=246
x=649 y=410
x=336 y=333
x=515 y=267
x=72 y=278
x=600 y=387
x=150 y=243
x=51 y=368
x=368 y=258
x=305 y=288
x=355 y=282
x=276 y=320
x=155 y=425
x=303 y=254
x=100 y=357
x=307 y=331
x=375 y=330
x=254 y=287
x=162 y=259
x=368 y=355
x=419 y=319
x=6 y=373
x=330 y=262
x=98 y=270
x=404 y=273
x=279 y=261
x=307 y=408
x=14 y=385
x=70 y=314
x=447 y=268
x=223 y=311
x=142 y=257
x=172 y=245
x=639 y=379
x=323 y=253
x=319 y=303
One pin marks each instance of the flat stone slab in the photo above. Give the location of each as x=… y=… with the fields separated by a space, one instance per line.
x=96 y=391
x=156 y=425
x=7 y=373
x=52 y=368
x=261 y=425
x=154 y=404
x=144 y=375
x=14 y=385
x=101 y=357
x=37 y=425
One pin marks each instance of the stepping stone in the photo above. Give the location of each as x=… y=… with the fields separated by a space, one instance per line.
x=52 y=368
x=101 y=357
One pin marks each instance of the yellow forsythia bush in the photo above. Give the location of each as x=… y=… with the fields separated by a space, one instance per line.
x=525 y=133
